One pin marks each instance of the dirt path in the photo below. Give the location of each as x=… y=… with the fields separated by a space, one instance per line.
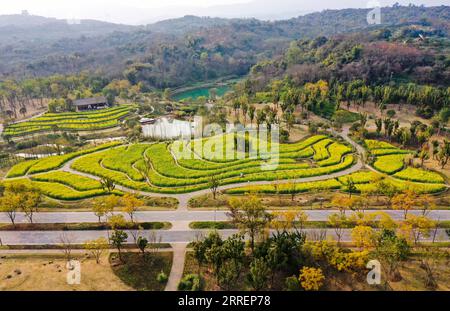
x=176 y=272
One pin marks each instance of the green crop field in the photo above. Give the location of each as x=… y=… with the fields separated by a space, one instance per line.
x=71 y=121
x=61 y=188
x=390 y=160
x=177 y=168
x=182 y=167
x=364 y=182
x=51 y=163
x=420 y=175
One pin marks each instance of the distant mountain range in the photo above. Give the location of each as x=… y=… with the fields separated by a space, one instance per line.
x=176 y=51
x=139 y=12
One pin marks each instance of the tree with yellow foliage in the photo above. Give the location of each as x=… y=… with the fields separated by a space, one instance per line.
x=363 y=236
x=342 y=203
x=386 y=222
x=311 y=279
x=351 y=262
x=13 y=200
x=131 y=204
x=117 y=221
x=405 y=201
x=418 y=227
x=426 y=203
x=103 y=206
x=362 y=219
x=31 y=199
x=287 y=220
x=338 y=222
x=250 y=216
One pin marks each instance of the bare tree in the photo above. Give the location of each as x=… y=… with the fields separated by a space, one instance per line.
x=66 y=244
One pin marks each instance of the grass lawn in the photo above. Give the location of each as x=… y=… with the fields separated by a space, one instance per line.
x=141 y=274
x=28 y=272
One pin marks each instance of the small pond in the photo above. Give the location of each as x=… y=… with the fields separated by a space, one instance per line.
x=196 y=93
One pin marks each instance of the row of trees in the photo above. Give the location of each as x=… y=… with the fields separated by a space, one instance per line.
x=15 y=198
x=417 y=135
x=17 y=96
x=19 y=198
x=326 y=97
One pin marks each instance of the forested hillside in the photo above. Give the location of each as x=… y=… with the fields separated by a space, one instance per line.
x=412 y=53
x=162 y=55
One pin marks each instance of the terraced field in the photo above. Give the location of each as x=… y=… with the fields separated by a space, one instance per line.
x=71 y=121
x=388 y=160
x=364 y=182
x=391 y=160
x=178 y=168
x=51 y=163
x=184 y=167
x=62 y=187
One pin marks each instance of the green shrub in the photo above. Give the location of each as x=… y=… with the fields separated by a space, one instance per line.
x=162 y=277
x=292 y=283
x=191 y=282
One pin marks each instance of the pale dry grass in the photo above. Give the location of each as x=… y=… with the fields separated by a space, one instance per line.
x=405 y=115
x=413 y=277
x=48 y=272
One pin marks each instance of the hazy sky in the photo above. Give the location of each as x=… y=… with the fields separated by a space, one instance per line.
x=144 y=11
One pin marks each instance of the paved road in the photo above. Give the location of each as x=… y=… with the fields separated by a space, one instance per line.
x=182 y=236
x=189 y=216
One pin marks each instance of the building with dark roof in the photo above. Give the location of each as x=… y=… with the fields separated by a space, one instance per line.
x=91 y=103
